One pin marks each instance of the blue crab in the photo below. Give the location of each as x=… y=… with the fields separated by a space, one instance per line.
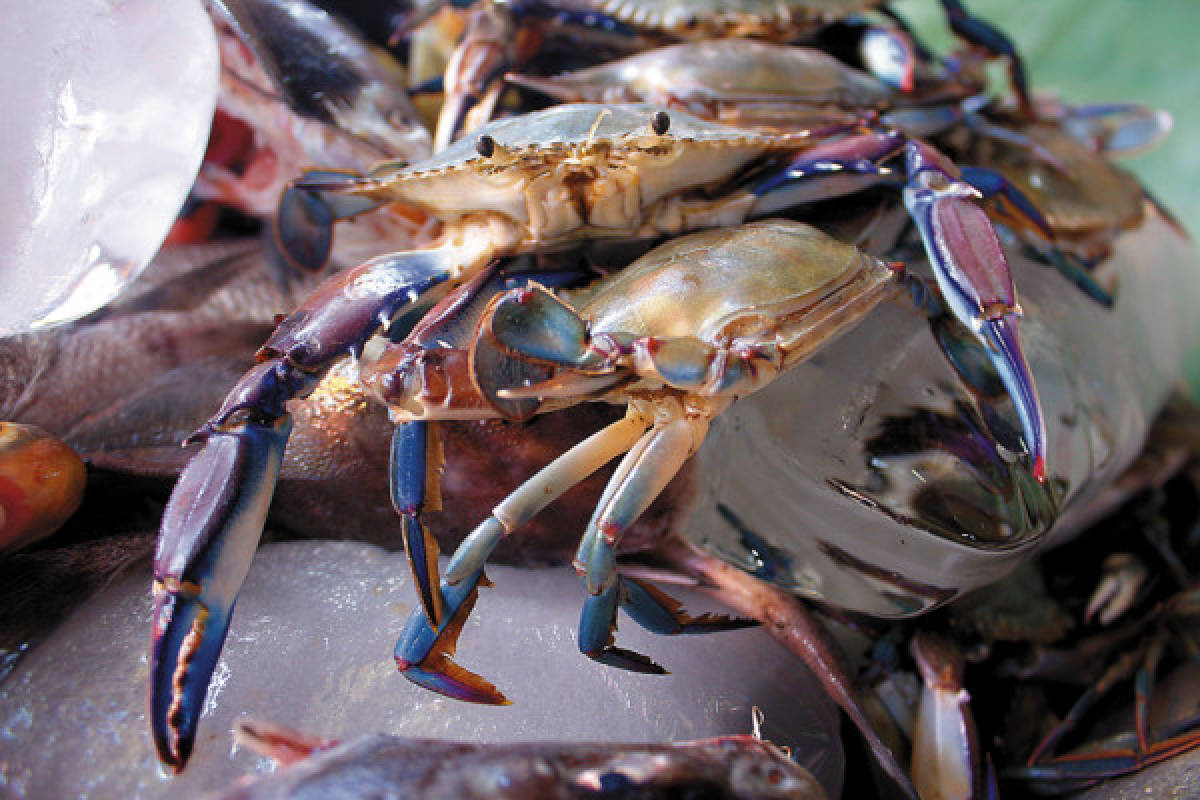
x=759 y=299
x=628 y=171
x=752 y=320
x=749 y=82
x=737 y=767
x=474 y=74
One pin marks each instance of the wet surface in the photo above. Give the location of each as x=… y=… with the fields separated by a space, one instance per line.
x=311 y=647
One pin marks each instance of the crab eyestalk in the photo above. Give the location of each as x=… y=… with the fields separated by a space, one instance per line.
x=973 y=275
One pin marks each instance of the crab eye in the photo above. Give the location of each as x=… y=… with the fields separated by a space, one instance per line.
x=485 y=146
x=660 y=122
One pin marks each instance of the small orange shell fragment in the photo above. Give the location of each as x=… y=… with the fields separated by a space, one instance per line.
x=41 y=484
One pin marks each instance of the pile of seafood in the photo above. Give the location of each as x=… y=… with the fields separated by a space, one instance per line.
x=763 y=302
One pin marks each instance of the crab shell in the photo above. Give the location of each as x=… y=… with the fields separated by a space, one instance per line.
x=697 y=19
x=1085 y=199
x=875 y=476
x=733 y=71
x=750 y=283
x=573 y=171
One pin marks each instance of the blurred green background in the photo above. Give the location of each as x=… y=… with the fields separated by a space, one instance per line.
x=1145 y=51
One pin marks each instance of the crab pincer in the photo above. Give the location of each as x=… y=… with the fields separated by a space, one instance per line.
x=972 y=273
x=210 y=531
x=217 y=509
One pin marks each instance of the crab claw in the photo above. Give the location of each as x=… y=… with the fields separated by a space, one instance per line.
x=210 y=531
x=303 y=225
x=537 y=325
x=425 y=656
x=890 y=55
x=972 y=272
x=1115 y=593
x=1117 y=129
x=1006 y=356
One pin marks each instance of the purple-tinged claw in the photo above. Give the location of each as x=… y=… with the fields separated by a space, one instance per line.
x=261 y=394
x=973 y=275
x=1006 y=356
x=210 y=530
x=831 y=169
x=425 y=656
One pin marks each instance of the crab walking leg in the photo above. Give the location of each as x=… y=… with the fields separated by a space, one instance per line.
x=972 y=272
x=986 y=36
x=218 y=507
x=788 y=620
x=946 y=758
x=423 y=653
x=407 y=483
x=474 y=77
x=541 y=490
x=1072 y=773
x=1067 y=773
x=651 y=608
x=645 y=472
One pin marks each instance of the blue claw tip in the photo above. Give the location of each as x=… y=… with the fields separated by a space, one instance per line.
x=185 y=644
x=1017 y=378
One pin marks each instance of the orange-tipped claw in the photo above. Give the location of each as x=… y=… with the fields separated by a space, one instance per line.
x=425 y=655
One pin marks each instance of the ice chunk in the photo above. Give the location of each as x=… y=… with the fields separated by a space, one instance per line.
x=311 y=648
x=107 y=105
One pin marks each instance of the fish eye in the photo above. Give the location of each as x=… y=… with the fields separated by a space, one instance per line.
x=485 y=145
